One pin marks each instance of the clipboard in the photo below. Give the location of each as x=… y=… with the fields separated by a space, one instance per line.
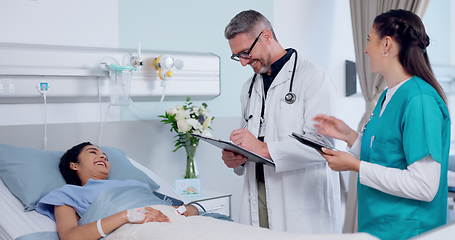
x=251 y=156
x=314 y=140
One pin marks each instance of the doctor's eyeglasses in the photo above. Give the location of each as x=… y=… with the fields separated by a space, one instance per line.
x=245 y=54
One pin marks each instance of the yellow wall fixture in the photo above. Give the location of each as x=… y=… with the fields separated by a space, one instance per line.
x=165 y=65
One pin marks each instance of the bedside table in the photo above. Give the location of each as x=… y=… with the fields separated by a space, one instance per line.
x=212 y=202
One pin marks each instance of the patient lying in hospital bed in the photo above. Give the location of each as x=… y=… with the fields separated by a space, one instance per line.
x=89 y=197
x=163 y=222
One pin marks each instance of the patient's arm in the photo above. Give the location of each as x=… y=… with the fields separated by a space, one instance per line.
x=66 y=220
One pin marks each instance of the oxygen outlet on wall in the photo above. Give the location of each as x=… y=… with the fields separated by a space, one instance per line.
x=165 y=66
x=43 y=88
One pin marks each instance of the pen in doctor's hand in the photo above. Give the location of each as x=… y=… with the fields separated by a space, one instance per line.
x=245 y=124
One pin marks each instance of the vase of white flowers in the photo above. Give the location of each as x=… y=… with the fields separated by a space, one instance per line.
x=184 y=120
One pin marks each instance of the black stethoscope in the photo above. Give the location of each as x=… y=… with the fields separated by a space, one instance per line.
x=289 y=98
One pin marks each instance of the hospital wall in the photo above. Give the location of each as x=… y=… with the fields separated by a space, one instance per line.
x=320 y=30
x=441 y=50
x=191 y=26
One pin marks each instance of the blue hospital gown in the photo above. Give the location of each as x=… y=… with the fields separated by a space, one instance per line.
x=80 y=197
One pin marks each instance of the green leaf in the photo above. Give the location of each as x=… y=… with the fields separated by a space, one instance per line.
x=177 y=148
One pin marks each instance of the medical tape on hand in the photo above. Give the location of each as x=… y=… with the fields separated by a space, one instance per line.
x=181 y=210
x=135 y=214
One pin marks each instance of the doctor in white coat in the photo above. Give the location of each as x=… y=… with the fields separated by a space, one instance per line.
x=301 y=193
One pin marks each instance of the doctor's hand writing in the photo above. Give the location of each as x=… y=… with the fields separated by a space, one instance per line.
x=247 y=140
x=334 y=127
x=340 y=161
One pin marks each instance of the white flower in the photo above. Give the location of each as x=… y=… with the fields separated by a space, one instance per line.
x=195 y=110
x=182 y=114
x=172 y=111
x=183 y=126
x=206 y=133
x=207 y=122
x=194 y=123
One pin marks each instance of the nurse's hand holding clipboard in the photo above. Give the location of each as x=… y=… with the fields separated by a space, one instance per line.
x=333 y=127
x=341 y=161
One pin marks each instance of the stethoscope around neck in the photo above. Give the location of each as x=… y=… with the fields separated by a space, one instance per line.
x=289 y=97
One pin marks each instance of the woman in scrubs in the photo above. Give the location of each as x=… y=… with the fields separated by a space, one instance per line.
x=402 y=153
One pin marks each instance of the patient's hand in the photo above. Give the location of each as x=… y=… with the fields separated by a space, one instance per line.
x=146 y=214
x=153 y=215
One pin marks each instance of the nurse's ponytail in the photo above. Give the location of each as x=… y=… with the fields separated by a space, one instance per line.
x=408 y=30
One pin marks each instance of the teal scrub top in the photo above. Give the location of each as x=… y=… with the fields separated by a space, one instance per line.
x=415 y=124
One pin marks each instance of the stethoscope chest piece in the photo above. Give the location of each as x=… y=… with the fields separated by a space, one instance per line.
x=290 y=97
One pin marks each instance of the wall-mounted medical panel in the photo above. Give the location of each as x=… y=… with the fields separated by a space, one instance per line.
x=80 y=74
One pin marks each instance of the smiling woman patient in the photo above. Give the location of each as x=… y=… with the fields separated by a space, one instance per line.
x=75 y=206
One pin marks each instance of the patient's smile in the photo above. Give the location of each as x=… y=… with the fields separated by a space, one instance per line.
x=100 y=163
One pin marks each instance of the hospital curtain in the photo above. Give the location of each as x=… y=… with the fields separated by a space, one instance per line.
x=363 y=13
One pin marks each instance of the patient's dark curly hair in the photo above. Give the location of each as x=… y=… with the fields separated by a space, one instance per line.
x=68 y=157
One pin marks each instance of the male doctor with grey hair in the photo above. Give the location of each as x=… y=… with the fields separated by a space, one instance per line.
x=301 y=193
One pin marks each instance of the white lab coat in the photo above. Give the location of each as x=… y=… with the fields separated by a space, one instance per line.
x=303 y=193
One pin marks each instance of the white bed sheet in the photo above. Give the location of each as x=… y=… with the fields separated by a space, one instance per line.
x=15 y=222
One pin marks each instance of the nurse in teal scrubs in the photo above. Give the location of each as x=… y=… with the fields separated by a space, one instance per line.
x=402 y=153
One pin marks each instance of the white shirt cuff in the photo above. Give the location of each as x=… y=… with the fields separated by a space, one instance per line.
x=356 y=147
x=420 y=181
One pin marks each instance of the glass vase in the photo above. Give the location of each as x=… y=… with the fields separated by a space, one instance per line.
x=191 y=170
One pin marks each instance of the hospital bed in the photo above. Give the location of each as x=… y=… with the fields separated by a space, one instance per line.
x=14 y=222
